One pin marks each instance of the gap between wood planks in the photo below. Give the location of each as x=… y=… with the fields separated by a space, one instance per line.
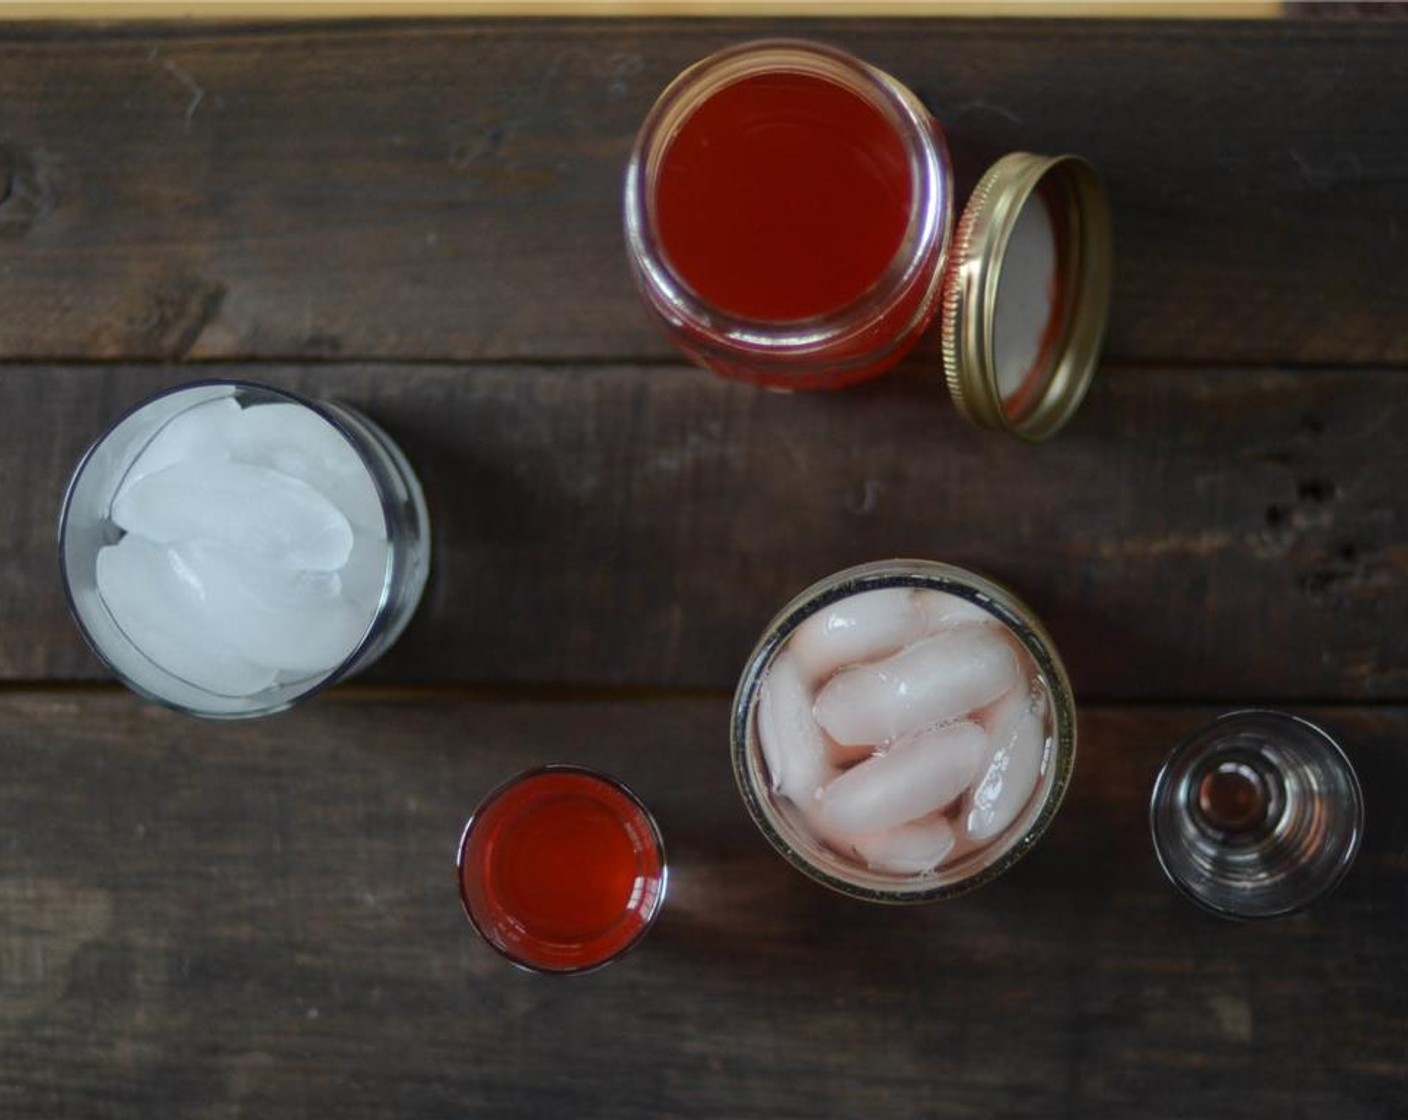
x=400 y=9
x=921 y=365
x=548 y=694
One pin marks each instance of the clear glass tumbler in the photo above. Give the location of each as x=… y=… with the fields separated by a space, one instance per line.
x=1256 y=815
x=228 y=548
x=904 y=731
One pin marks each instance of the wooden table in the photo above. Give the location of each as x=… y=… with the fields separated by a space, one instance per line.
x=259 y=920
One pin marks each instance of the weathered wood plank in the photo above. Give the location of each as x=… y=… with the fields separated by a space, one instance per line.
x=1195 y=534
x=450 y=189
x=218 y=921
x=381 y=9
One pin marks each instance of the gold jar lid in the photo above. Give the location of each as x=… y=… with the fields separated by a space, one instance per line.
x=1027 y=294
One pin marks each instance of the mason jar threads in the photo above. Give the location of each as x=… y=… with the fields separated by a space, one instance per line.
x=228 y=548
x=789 y=222
x=904 y=731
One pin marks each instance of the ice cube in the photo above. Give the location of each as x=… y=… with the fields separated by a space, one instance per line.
x=1018 y=737
x=918 y=775
x=999 y=717
x=290 y=619
x=198 y=434
x=940 y=678
x=364 y=575
x=294 y=676
x=792 y=744
x=907 y=849
x=300 y=443
x=262 y=513
x=860 y=627
x=942 y=611
x=162 y=612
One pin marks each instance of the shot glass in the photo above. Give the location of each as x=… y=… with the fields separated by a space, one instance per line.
x=561 y=869
x=228 y=548
x=1256 y=815
x=904 y=731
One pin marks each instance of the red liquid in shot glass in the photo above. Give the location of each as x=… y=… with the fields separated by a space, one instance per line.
x=783 y=196
x=561 y=870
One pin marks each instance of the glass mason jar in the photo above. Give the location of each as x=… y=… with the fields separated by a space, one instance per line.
x=809 y=314
x=562 y=870
x=922 y=727
x=228 y=549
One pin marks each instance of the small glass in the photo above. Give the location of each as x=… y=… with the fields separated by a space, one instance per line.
x=985 y=835
x=561 y=869
x=896 y=173
x=388 y=561
x=1257 y=815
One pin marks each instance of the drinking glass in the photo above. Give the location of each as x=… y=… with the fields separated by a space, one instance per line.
x=561 y=869
x=1256 y=815
x=201 y=626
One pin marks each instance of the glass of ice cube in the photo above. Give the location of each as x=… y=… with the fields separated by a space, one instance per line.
x=904 y=731
x=229 y=549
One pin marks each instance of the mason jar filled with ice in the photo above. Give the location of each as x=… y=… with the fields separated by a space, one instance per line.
x=904 y=731
x=230 y=548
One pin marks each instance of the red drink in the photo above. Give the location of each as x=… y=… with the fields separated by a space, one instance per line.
x=787 y=215
x=561 y=869
x=783 y=196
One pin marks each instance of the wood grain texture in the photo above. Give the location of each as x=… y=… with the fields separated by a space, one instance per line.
x=1194 y=535
x=450 y=190
x=260 y=920
x=400 y=9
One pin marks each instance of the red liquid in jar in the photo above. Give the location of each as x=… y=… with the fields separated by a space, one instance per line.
x=783 y=196
x=561 y=870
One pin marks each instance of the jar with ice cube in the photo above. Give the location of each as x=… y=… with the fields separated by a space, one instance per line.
x=904 y=731
x=228 y=548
